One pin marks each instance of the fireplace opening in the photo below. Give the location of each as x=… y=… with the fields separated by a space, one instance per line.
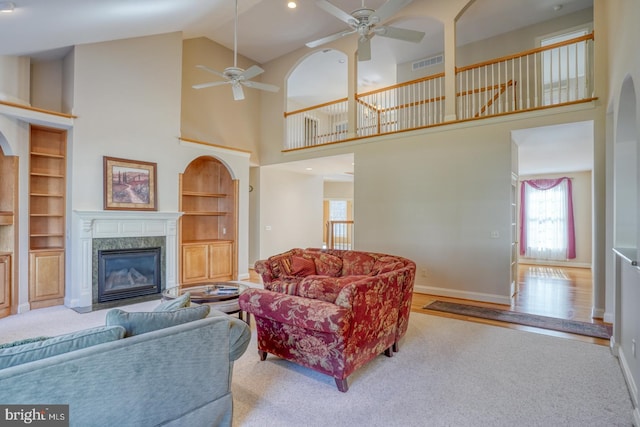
x=128 y=273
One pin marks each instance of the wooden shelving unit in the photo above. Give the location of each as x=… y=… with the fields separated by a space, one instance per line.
x=47 y=188
x=8 y=229
x=208 y=198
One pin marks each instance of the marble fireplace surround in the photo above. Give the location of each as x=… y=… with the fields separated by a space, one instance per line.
x=92 y=225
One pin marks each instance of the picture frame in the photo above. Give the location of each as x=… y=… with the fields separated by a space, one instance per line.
x=129 y=185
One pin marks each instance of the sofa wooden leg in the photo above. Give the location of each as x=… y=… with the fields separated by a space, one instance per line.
x=342 y=384
x=263 y=355
x=396 y=347
x=388 y=352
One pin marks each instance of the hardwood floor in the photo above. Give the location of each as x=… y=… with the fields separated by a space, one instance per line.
x=564 y=293
x=551 y=291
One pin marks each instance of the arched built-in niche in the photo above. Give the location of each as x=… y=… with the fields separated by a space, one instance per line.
x=208 y=226
x=626 y=160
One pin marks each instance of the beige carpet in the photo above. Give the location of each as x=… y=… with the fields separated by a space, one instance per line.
x=448 y=373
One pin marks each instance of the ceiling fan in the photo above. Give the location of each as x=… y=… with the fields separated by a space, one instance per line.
x=366 y=22
x=235 y=76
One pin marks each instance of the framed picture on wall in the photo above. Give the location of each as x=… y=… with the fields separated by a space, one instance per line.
x=129 y=185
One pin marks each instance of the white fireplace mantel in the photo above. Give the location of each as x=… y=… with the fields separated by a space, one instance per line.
x=91 y=225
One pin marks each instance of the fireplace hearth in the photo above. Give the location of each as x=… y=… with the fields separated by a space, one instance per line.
x=128 y=273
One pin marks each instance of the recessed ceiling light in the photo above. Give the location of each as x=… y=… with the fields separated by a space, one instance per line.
x=291 y=5
x=557 y=7
x=7 y=7
x=309 y=169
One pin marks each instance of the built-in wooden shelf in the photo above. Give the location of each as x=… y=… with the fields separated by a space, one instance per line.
x=6 y=218
x=47 y=169
x=202 y=194
x=208 y=197
x=205 y=213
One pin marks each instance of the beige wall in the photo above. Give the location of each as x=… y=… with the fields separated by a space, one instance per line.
x=434 y=196
x=211 y=114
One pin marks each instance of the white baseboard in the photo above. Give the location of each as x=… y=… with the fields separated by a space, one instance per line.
x=244 y=276
x=453 y=293
x=597 y=313
x=609 y=318
x=631 y=382
x=24 y=307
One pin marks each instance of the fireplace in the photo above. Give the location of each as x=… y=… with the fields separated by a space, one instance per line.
x=127 y=270
x=128 y=273
x=118 y=230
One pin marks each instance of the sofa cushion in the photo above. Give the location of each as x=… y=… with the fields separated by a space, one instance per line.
x=182 y=301
x=285 y=285
x=136 y=323
x=29 y=352
x=327 y=264
x=302 y=266
x=281 y=263
x=324 y=288
x=386 y=264
x=23 y=341
x=356 y=263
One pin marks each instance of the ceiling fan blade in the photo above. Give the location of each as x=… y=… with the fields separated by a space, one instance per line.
x=335 y=11
x=330 y=38
x=210 y=70
x=261 y=86
x=210 y=84
x=400 y=34
x=251 y=72
x=387 y=10
x=238 y=93
x=364 y=49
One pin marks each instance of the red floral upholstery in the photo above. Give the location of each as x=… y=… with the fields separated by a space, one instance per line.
x=355 y=307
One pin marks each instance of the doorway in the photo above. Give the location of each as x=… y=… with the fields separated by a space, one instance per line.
x=552 y=153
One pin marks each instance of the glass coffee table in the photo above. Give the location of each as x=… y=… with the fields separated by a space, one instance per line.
x=222 y=296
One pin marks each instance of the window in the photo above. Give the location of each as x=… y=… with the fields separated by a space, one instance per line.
x=337 y=210
x=564 y=68
x=546 y=219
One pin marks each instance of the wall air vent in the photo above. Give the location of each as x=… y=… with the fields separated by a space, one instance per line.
x=427 y=62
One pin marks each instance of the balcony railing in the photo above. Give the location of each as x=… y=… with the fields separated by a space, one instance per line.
x=409 y=105
x=340 y=234
x=554 y=75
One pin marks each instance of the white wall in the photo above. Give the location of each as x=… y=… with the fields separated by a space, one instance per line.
x=624 y=280
x=291 y=206
x=127 y=96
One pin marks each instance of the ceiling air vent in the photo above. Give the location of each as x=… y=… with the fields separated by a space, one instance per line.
x=427 y=62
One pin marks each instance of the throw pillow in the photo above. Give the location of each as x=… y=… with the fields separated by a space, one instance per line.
x=328 y=265
x=137 y=323
x=302 y=266
x=17 y=355
x=182 y=301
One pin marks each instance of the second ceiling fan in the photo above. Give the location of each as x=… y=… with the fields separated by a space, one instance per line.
x=235 y=76
x=368 y=23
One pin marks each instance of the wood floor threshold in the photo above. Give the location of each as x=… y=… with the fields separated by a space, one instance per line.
x=420 y=300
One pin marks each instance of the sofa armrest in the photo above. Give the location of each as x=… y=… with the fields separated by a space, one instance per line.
x=374 y=304
x=296 y=311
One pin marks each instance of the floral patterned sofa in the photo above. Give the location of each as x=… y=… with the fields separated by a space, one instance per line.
x=331 y=310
